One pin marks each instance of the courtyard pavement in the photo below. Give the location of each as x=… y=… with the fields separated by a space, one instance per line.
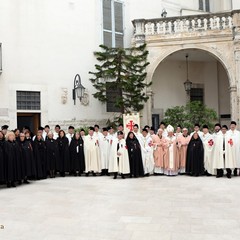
x=100 y=208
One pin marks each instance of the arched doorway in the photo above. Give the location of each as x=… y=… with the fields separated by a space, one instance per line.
x=209 y=77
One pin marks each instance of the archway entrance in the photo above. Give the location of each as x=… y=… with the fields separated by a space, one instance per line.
x=209 y=77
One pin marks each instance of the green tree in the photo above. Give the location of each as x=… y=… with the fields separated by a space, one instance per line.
x=122 y=70
x=187 y=116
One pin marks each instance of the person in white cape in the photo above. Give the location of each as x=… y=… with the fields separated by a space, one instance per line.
x=208 y=145
x=91 y=153
x=146 y=144
x=118 y=157
x=235 y=134
x=224 y=154
x=104 y=145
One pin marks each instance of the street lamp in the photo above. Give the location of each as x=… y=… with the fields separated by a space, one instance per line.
x=164 y=13
x=187 y=84
x=78 y=88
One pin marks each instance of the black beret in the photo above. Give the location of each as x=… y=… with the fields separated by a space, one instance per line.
x=5 y=127
x=119 y=133
x=144 y=130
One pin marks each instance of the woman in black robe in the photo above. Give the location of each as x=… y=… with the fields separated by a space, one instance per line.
x=195 y=156
x=39 y=149
x=13 y=163
x=29 y=167
x=77 y=161
x=52 y=155
x=135 y=156
x=2 y=163
x=63 y=146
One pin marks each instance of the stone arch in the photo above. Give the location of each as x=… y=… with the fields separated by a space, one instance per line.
x=214 y=53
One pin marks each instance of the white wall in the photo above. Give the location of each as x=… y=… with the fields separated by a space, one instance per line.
x=45 y=43
x=235 y=4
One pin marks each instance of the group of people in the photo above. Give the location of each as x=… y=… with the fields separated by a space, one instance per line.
x=25 y=157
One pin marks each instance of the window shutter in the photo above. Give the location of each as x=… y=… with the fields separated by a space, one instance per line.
x=201 y=5
x=107 y=16
x=118 y=12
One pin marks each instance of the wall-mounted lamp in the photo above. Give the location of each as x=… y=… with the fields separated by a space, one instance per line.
x=78 y=89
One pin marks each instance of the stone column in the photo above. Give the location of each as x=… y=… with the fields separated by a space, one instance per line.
x=235 y=85
x=149 y=106
x=139 y=31
x=234 y=103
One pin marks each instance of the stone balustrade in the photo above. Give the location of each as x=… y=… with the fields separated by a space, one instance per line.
x=183 y=24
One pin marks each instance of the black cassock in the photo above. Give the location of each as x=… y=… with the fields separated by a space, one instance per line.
x=13 y=162
x=135 y=157
x=52 y=154
x=40 y=155
x=77 y=161
x=28 y=161
x=195 y=157
x=63 y=146
x=2 y=163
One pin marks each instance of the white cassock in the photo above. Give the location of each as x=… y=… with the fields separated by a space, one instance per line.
x=55 y=135
x=208 y=145
x=92 y=154
x=69 y=137
x=229 y=161
x=165 y=133
x=98 y=135
x=235 y=135
x=44 y=135
x=104 y=146
x=147 y=153
x=119 y=163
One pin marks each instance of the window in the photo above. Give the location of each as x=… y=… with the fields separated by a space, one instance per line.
x=196 y=94
x=204 y=5
x=112 y=94
x=27 y=100
x=113 y=23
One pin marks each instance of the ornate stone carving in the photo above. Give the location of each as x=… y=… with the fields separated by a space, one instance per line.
x=64 y=95
x=85 y=98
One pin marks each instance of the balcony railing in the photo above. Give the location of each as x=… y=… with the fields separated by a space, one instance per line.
x=184 y=24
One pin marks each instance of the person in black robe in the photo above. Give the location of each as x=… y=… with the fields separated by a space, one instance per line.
x=77 y=161
x=2 y=163
x=135 y=156
x=17 y=134
x=63 y=146
x=13 y=164
x=195 y=156
x=52 y=155
x=39 y=149
x=29 y=166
